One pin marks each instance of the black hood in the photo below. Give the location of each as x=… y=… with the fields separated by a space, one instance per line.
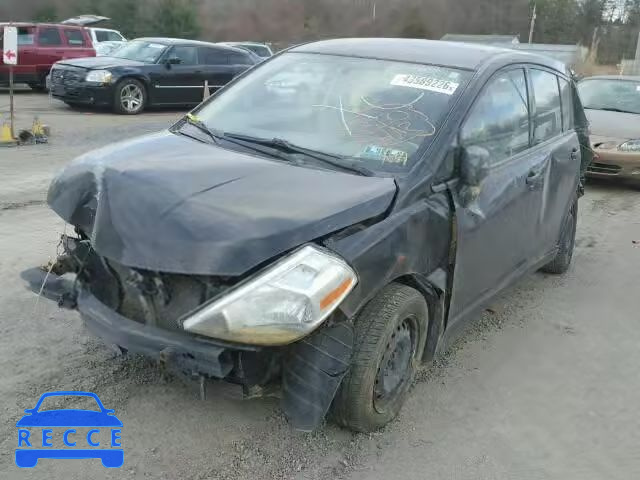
x=170 y=204
x=93 y=63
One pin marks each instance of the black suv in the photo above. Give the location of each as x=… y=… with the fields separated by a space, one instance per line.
x=149 y=71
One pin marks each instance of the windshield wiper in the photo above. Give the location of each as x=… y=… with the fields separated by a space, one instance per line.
x=215 y=135
x=611 y=109
x=335 y=161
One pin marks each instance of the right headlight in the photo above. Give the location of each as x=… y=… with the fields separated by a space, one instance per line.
x=282 y=304
x=99 y=76
x=630 y=146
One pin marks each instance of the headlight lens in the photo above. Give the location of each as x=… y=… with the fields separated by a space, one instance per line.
x=99 y=76
x=630 y=146
x=282 y=304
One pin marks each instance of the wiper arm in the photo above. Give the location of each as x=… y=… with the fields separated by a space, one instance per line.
x=215 y=135
x=335 y=161
x=611 y=109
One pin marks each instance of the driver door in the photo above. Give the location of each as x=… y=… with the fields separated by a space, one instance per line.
x=498 y=237
x=179 y=81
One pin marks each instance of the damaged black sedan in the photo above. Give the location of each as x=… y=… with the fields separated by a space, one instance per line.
x=323 y=224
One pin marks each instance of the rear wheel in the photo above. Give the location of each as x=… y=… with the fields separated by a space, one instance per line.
x=561 y=263
x=130 y=97
x=390 y=337
x=38 y=86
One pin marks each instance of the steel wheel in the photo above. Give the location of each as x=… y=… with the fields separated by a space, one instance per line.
x=394 y=370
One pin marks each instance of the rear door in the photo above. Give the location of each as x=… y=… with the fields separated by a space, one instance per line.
x=180 y=82
x=78 y=43
x=498 y=238
x=557 y=142
x=216 y=66
x=50 y=47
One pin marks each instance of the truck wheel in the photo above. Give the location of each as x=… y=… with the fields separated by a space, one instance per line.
x=390 y=335
x=37 y=86
x=130 y=97
x=560 y=264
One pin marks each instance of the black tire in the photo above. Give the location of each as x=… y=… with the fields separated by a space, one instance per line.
x=122 y=90
x=562 y=261
x=38 y=86
x=363 y=402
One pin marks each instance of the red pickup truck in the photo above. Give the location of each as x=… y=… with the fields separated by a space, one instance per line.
x=40 y=45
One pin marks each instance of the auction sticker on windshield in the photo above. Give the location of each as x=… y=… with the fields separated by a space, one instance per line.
x=425 y=83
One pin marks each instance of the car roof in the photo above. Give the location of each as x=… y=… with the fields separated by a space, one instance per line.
x=452 y=54
x=195 y=43
x=253 y=44
x=629 y=78
x=176 y=41
x=104 y=29
x=42 y=24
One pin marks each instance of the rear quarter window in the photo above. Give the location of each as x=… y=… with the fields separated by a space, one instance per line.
x=74 y=37
x=548 y=113
x=49 y=36
x=566 y=97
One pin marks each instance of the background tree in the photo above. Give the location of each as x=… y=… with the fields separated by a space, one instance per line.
x=175 y=18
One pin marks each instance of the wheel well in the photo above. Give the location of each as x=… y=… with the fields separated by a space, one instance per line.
x=435 y=303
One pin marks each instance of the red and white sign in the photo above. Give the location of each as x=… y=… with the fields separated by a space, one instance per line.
x=10 y=46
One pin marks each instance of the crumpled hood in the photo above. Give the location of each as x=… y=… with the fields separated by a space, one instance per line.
x=167 y=203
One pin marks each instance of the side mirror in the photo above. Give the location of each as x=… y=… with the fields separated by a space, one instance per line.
x=173 y=61
x=474 y=165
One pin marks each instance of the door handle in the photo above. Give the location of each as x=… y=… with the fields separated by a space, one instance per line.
x=535 y=178
x=574 y=154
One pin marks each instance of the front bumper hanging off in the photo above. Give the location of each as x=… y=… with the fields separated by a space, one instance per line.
x=309 y=371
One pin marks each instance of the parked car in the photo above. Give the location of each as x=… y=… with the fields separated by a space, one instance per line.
x=105 y=49
x=98 y=35
x=148 y=71
x=327 y=242
x=612 y=104
x=40 y=45
x=260 y=49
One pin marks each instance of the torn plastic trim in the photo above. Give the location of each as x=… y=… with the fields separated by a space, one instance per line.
x=312 y=373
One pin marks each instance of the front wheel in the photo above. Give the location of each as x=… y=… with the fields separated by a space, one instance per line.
x=390 y=336
x=562 y=261
x=130 y=97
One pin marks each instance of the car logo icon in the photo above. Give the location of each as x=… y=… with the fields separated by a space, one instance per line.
x=32 y=447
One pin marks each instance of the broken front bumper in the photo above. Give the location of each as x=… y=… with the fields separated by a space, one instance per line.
x=309 y=371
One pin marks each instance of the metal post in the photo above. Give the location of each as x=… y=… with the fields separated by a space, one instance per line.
x=533 y=23
x=11 y=99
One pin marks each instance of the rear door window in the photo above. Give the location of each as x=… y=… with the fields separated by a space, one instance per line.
x=548 y=117
x=567 y=104
x=212 y=56
x=237 y=58
x=187 y=55
x=499 y=119
x=74 y=37
x=49 y=36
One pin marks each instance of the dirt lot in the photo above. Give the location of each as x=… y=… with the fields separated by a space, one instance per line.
x=544 y=385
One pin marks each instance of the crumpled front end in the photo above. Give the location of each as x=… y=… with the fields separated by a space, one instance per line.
x=141 y=311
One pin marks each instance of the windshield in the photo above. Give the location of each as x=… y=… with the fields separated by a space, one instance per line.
x=147 y=52
x=610 y=94
x=378 y=113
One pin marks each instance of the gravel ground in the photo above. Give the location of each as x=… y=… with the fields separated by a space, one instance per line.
x=543 y=385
